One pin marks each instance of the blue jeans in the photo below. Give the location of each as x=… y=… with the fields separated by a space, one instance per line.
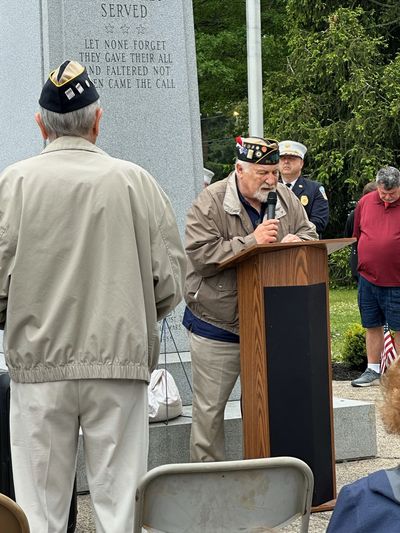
x=378 y=305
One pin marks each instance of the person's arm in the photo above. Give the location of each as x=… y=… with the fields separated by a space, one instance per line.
x=319 y=215
x=9 y=216
x=159 y=238
x=357 y=220
x=206 y=244
x=169 y=264
x=348 y=229
x=345 y=513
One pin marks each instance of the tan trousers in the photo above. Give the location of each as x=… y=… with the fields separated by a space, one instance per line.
x=45 y=420
x=215 y=368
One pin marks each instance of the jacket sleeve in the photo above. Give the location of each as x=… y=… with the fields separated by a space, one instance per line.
x=357 y=220
x=168 y=262
x=319 y=215
x=8 y=241
x=348 y=228
x=207 y=244
x=345 y=512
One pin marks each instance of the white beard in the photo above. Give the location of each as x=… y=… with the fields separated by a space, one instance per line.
x=262 y=195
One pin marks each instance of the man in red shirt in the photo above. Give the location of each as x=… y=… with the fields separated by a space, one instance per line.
x=377 y=228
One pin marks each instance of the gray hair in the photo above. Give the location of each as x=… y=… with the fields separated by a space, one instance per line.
x=75 y=123
x=244 y=163
x=388 y=178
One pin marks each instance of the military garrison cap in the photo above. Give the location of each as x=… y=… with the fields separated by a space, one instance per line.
x=257 y=150
x=68 y=88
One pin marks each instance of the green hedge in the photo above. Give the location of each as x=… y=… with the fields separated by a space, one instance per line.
x=354 y=352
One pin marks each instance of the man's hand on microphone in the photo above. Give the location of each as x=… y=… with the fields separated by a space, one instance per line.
x=267 y=231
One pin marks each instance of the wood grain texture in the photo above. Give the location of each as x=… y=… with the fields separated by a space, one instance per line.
x=253 y=360
x=301 y=264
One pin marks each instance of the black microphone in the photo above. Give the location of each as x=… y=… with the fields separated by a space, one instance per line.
x=271 y=203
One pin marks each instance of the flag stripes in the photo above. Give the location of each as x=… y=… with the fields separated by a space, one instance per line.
x=389 y=353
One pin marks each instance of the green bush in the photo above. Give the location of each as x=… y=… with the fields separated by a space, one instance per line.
x=339 y=269
x=354 y=353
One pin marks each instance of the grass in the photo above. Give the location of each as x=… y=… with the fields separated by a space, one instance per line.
x=343 y=312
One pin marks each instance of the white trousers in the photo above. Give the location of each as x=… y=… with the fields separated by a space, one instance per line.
x=215 y=369
x=44 y=422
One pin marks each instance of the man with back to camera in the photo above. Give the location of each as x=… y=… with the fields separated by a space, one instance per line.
x=377 y=229
x=90 y=259
x=310 y=193
x=226 y=218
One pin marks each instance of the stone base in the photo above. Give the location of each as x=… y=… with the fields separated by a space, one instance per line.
x=354 y=424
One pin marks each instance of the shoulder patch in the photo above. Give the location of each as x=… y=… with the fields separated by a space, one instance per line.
x=322 y=191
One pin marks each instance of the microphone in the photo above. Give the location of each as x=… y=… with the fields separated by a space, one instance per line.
x=271 y=203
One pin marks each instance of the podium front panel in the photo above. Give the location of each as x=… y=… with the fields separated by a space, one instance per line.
x=298 y=380
x=285 y=360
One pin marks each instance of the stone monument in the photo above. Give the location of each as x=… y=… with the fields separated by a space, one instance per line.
x=141 y=57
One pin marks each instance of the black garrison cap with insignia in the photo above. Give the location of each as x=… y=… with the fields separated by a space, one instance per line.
x=68 y=88
x=257 y=150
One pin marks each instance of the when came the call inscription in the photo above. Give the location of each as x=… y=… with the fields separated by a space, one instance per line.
x=125 y=58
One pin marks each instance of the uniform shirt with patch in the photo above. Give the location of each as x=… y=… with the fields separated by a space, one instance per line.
x=313 y=198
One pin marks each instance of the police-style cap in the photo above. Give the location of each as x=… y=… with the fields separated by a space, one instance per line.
x=68 y=88
x=257 y=150
x=292 y=148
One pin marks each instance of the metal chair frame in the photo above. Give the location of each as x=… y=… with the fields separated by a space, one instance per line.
x=227 y=496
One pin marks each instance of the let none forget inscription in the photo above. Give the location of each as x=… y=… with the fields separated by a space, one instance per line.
x=125 y=58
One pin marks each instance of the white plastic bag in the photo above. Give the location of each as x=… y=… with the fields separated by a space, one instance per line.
x=164 y=399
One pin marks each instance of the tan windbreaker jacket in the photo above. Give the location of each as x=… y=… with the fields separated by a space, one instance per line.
x=217 y=228
x=90 y=259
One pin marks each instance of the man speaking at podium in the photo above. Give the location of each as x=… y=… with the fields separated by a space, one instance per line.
x=226 y=218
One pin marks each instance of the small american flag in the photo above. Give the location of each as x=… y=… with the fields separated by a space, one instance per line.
x=389 y=353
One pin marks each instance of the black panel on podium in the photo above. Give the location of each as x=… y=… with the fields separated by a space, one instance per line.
x=298 y=379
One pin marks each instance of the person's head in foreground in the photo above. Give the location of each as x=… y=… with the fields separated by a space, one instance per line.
x=69 y=104
x=372 y=504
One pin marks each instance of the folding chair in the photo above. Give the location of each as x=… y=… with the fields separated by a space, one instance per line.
x=12 y=517
x=228 y=496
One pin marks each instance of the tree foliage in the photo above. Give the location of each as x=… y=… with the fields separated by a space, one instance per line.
x=331 y=74
x=222 y=71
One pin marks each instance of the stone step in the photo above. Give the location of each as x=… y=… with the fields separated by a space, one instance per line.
x=169 y=443
x=180 y=367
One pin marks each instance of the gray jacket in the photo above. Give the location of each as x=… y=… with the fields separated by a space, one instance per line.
x=218 y=228
x=90 y=259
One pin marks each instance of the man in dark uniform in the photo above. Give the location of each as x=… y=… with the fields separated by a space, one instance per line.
x=310 y=193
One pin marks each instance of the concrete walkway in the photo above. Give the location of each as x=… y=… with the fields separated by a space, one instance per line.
x=388 y=457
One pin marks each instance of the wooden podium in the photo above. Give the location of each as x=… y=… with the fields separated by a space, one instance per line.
x=285 y=356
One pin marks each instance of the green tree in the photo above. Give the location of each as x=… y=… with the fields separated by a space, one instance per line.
x=334 y=97
x=331 y=74
x=220 y=28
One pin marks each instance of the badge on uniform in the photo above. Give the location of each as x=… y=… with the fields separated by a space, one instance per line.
x=322 y=191
x=304 y=199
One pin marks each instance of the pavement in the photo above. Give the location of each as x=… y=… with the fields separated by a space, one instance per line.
x=388 y=456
